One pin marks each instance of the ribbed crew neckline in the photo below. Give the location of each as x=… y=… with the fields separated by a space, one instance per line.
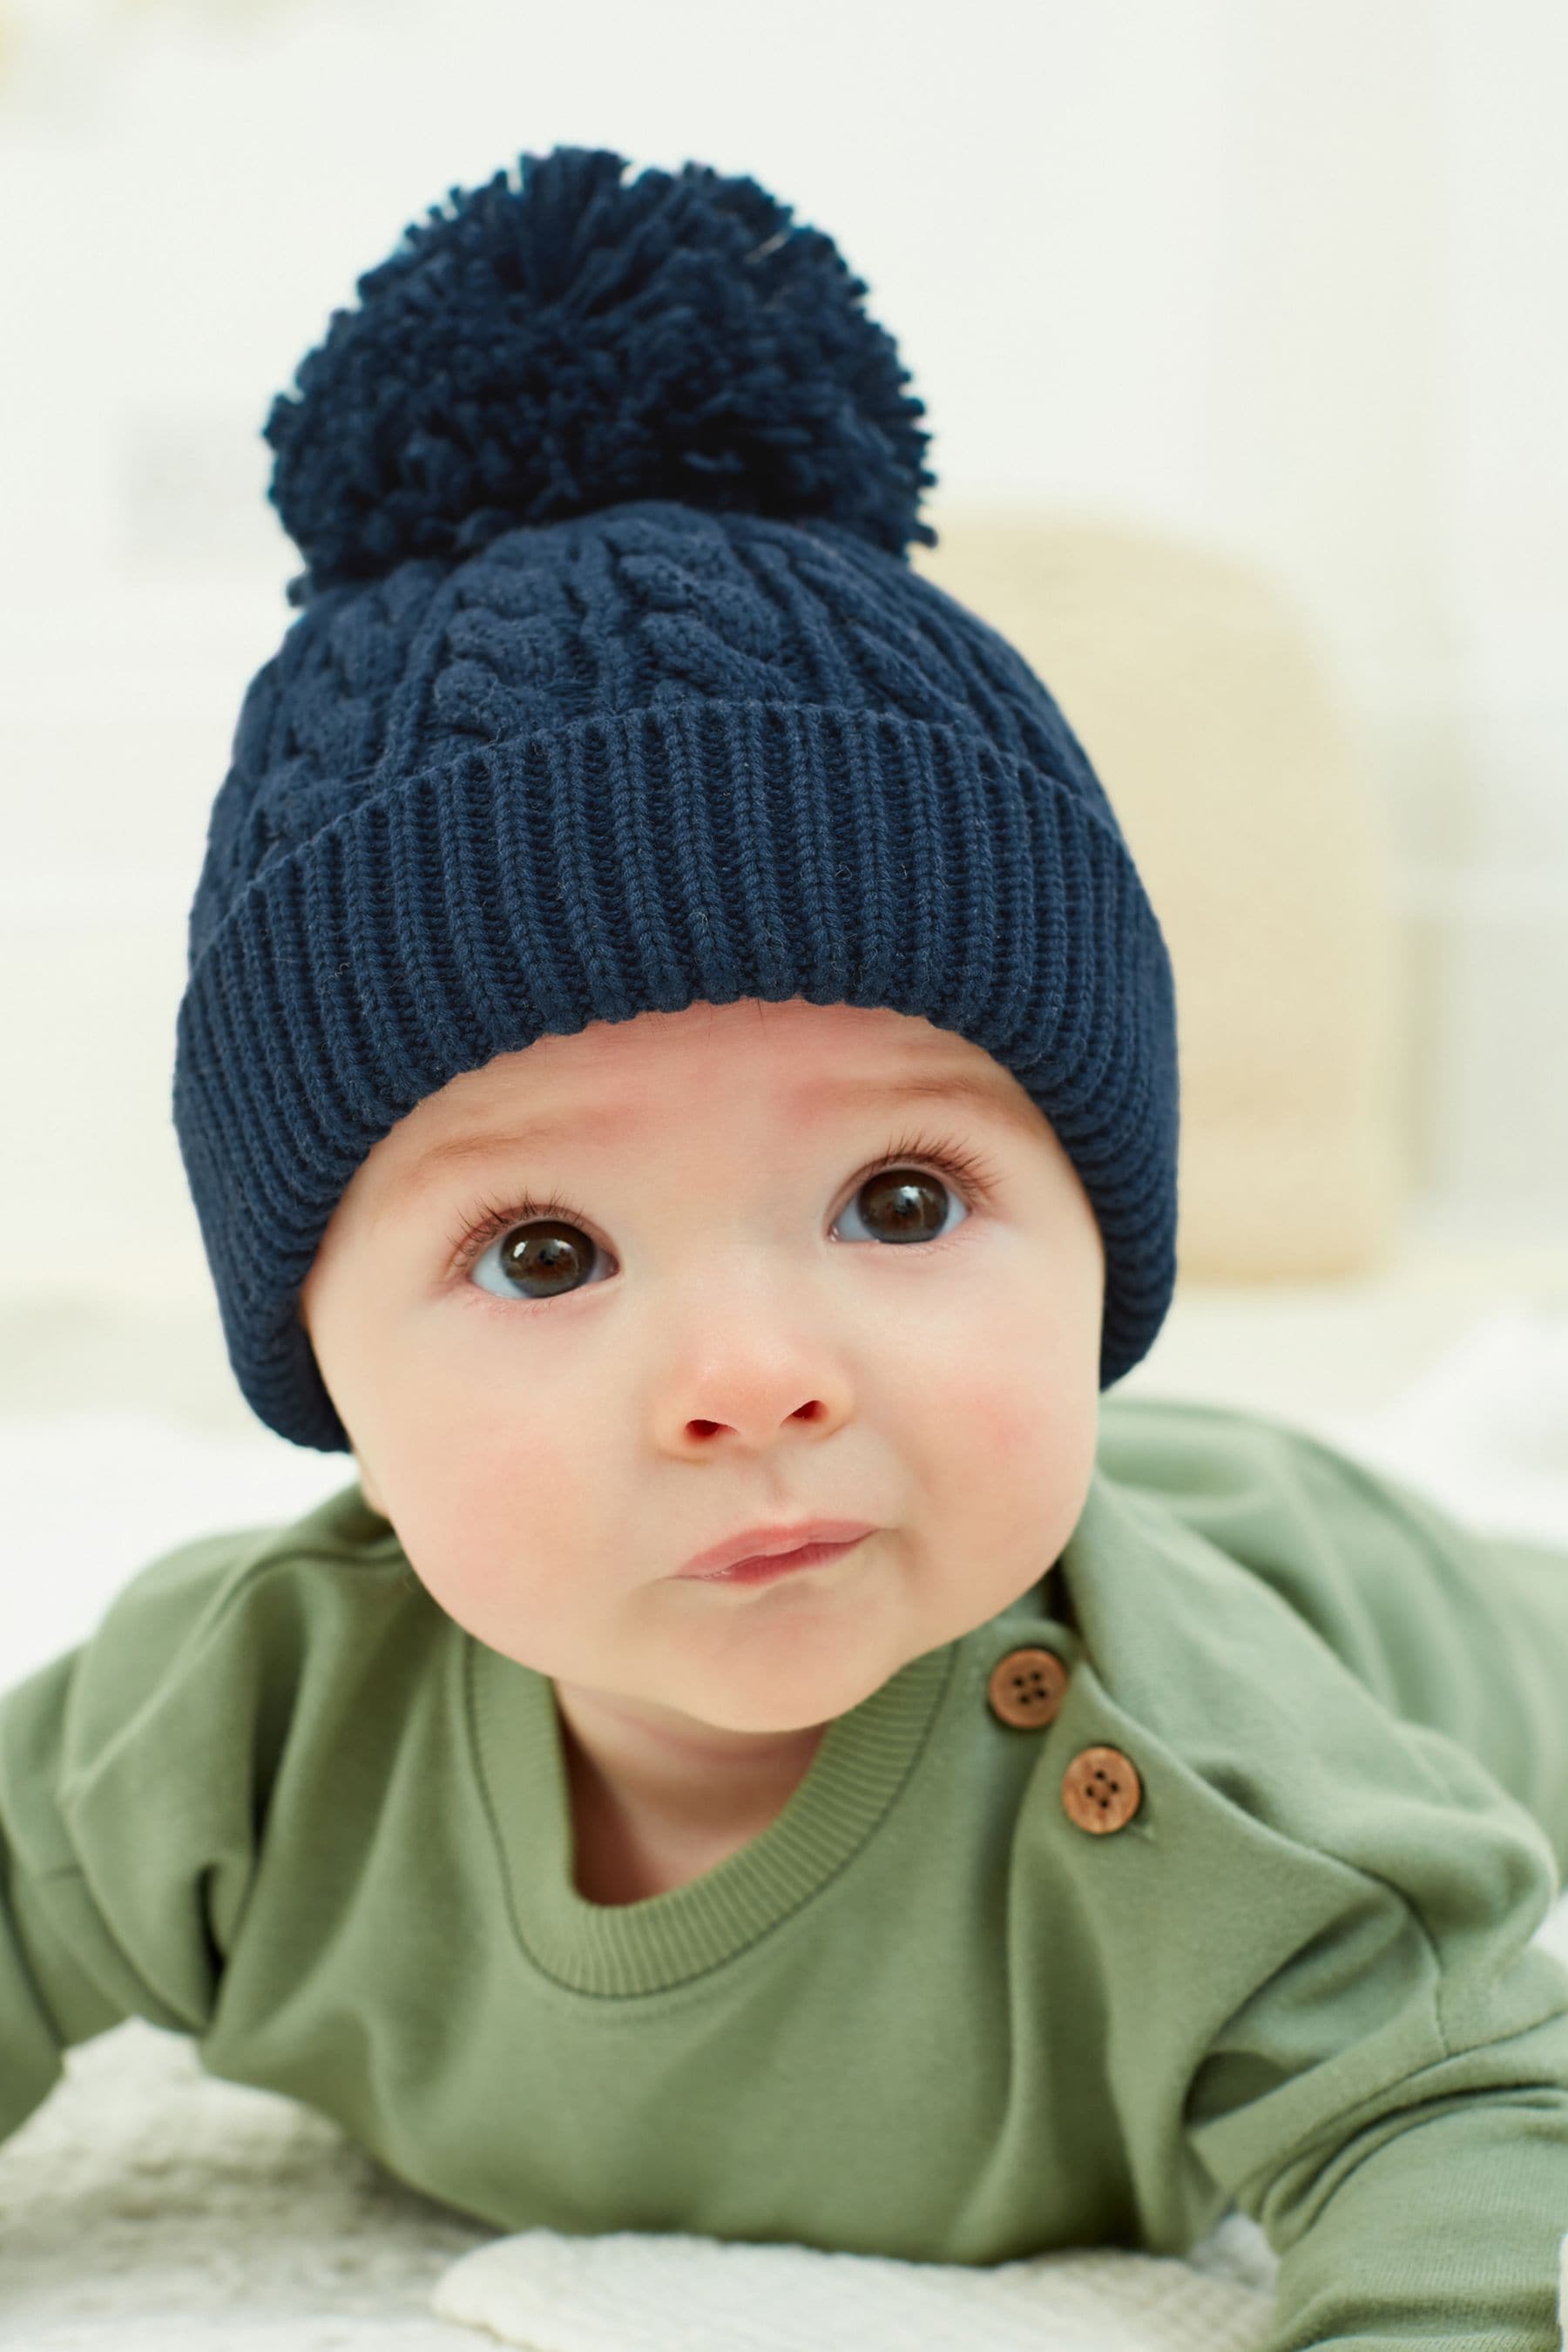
x=863 y=1760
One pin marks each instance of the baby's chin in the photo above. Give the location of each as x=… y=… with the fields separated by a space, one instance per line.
x=775 y=1703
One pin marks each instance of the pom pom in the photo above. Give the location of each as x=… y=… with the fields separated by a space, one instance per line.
x=569 y=343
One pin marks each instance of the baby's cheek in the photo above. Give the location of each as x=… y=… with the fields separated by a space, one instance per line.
x=496 y=1492
x=1019 y=1414
x=998 y=1425
x=530 y=1494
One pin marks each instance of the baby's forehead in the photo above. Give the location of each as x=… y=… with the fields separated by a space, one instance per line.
x=750 y=1028
x=659 y=1058
x=613 y=1086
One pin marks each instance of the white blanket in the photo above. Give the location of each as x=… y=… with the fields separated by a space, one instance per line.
x=155 y=2208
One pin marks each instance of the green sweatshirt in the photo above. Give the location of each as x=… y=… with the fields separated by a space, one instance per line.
x=939 y=2008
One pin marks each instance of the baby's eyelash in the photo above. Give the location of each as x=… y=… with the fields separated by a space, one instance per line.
x=972 y=1174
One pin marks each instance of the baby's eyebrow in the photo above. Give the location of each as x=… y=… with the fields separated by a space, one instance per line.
x=987 y=1090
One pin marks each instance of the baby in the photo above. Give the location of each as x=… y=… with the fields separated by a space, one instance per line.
x=678 y=1077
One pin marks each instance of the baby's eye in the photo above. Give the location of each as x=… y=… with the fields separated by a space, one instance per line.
x=539 y=1257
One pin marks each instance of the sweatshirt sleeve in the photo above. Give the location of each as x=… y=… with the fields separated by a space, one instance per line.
x=1428 y=2211
x=1390 y=2103
x=133 y=1770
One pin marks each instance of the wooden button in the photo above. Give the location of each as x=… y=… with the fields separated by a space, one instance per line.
x=1101 y=1789
x=1026 y=1687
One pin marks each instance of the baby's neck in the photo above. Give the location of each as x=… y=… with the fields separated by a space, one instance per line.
x=649 y=1801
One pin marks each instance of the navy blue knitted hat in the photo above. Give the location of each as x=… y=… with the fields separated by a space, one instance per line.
x=613 y=690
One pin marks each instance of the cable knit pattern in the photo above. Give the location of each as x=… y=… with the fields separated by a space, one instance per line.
x=635 y=607
x=652 y=754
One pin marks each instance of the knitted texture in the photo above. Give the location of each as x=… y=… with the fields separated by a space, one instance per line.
x=650 y=753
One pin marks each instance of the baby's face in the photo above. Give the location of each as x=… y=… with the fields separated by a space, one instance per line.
x=727 y=1331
